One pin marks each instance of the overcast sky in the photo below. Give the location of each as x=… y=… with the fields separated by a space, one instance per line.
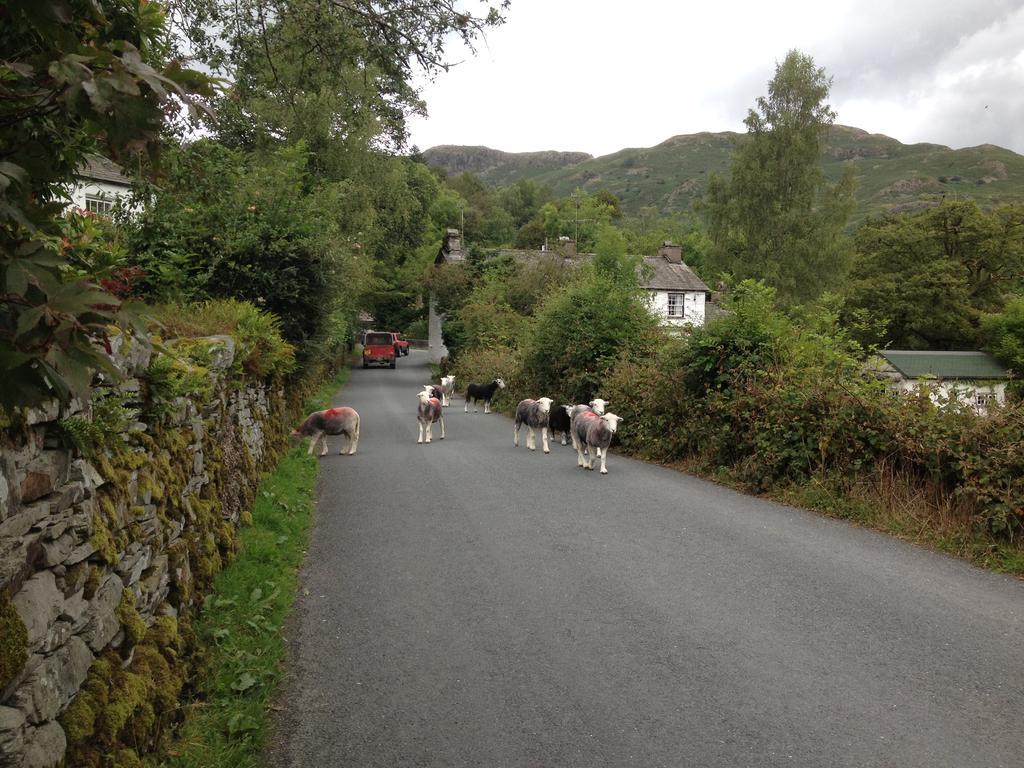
x=597 y=76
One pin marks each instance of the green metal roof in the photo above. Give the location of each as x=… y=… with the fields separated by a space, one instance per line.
x=945 y=365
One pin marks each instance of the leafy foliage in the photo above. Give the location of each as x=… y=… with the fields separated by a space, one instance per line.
x=252 y=228
x=929 y=277
x=495 y=309
x=581 y=331
x=79 y=76
x=340 y=69
x=103 y=428
x=260 y=347
x=1004 y=337
x=768 y=403
x=776 y=218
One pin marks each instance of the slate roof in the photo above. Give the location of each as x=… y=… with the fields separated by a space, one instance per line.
x=102 y=169
x=665 y=275
x=669 y=276
x=945 y=365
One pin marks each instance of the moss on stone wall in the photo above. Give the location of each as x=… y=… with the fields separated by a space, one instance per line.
x=131 y=621
x=130 y=700
x=124 y=710
x=14 y=647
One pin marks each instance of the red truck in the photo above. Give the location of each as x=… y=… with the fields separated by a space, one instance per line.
x=401 y=345
x=379 y=348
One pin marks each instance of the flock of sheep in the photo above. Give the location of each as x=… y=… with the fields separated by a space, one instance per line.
x=587 y=425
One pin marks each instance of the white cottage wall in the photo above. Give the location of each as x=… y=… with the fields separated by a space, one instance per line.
x=693 y=308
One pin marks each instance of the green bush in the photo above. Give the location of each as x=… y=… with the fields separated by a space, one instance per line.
x=482 y=365
x=772 y=404
x=579 y=333
x=229 y=225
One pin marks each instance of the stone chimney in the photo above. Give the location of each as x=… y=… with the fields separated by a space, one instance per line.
x=453 y=240
x=672 y=253
x=567 y=246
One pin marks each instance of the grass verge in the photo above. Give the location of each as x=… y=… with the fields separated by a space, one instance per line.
x=240 y=625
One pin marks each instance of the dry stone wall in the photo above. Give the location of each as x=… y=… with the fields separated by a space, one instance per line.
x=104 y=558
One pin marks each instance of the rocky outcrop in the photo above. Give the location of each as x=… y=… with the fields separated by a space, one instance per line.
x=105 y=554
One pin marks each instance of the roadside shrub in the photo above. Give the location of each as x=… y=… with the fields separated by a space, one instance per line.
x=498 y=308
x=481 y=365
x=224 y=224
x=774 y=405
x=484 y=323
x=581 y=331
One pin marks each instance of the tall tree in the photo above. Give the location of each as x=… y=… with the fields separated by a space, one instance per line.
x=336 y=73
x=776 y=218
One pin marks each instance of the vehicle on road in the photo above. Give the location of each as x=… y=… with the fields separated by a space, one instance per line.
x=379 y=348
x=401 y=345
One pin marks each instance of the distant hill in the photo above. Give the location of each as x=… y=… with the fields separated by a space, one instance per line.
x=891 y=176
x=500 y=168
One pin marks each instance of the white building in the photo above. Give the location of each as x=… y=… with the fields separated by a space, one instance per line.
x=975 y=379
x=98 y=185
x=678 y=296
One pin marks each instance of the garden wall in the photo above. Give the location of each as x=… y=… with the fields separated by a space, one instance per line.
x=105 y=556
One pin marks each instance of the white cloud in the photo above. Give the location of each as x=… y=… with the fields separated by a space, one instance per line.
x=599 y=76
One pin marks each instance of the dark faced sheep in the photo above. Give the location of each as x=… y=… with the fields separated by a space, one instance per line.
x=534 y=414
x=333 y=421
x=559 y=421
x=482 y=393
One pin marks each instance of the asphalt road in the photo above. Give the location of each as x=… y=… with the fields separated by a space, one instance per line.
x=467 y=603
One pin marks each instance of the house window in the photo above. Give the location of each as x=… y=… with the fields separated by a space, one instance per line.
x=98 y=205
x=675 y=304
x=984 y=399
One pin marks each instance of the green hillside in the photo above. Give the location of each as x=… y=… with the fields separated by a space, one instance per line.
x=891 y=176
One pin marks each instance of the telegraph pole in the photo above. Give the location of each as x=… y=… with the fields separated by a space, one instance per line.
x=576 y=198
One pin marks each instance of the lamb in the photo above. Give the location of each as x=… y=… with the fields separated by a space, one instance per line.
x=595 y=432
x=334 y=421
x=434 y=391
x=428 y=411
x=482 y=393
x=448 y=389
x=534 y=414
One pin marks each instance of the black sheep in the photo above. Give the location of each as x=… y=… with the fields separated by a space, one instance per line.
x=559 y=421
x=482 y=393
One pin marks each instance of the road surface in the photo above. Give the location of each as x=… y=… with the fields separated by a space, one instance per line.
x=467 y=603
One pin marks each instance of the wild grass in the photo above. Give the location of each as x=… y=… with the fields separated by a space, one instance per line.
x=261 y=349
x=241 y=623
x=897 y=503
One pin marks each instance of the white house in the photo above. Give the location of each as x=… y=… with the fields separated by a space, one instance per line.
x=678 y=296
x=98 y=185
x=975 y=379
